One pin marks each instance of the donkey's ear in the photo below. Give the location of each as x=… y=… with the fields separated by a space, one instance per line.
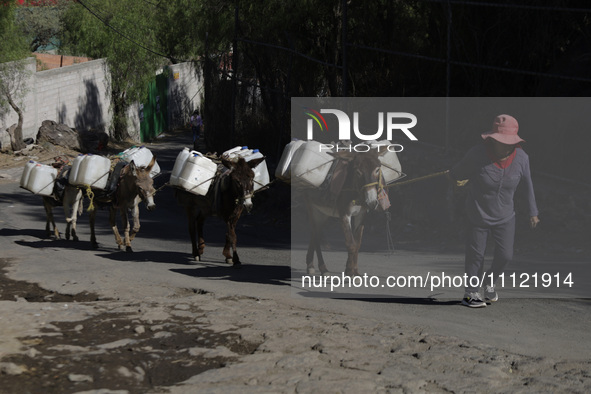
x=228 y=164
x=133 y=168
x=255 y=162
x=152 y=162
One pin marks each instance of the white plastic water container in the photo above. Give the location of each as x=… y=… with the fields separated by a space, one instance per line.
x=142 y=157
x=261 y=172
x=26 y=173
x=75 y=168
x=310 y=165
x=92 y=170
x=244 y=153
x=235 y=153
x=391 y=167
x=197 y=174
x=230 y=153
x=283 y=171
x=178 y=166
x=41 y=179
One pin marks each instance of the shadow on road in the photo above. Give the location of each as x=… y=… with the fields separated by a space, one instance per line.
x=370 y=299
x=55 y=243
x=149 y=256
x=260 y=274
x=11 y=232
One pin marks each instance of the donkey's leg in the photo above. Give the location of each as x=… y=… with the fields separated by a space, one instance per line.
x=358 y=236
x=49 y=215
x=126 y=228
x=230 y=240
x=201 y=245
x=92 y=219
x=231 y=237
x=310 y=256
x=76 y=210
x=72 y=197
x=47 y=220
x=113 y=223
x=191 y=218
x=317 y=220
x=350 y=244
x=136 y=222
x=321 y=265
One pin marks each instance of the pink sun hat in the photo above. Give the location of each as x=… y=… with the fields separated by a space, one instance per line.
x=504 y=130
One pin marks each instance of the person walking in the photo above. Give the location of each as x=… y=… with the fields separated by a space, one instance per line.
x=494 y=169
x=196 y=126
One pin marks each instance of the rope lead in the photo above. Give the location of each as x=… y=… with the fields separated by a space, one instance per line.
x=90 y=195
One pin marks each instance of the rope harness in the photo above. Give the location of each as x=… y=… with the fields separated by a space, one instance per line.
x=421 y=178
x=379 y=183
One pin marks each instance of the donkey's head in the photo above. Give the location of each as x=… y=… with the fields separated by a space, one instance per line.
x=365 y=174
x=242 y=180
x=141 y=182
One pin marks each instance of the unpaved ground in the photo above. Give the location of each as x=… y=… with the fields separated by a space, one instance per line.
x=195 y=341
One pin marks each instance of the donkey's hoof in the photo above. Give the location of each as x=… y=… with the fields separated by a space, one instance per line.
x=229 y=261
x=352 y=273
x=128 y=249
x=75 y=238
x=197 y=258
x=94 y=245
x=310 y=270
x=237 y=266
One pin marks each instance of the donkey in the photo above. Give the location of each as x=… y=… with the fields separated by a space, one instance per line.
x=135 y=185
x=69 y=197
x=352 y=194
x=230 y=193
x=71 y=201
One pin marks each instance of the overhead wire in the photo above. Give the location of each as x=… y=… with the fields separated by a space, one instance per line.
x=94 y=13
x=512 y=6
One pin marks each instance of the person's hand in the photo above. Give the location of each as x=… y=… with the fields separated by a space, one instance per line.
x=533 y=221
x=455 y=182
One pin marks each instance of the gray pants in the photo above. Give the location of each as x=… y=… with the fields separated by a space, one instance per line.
x=476 y=239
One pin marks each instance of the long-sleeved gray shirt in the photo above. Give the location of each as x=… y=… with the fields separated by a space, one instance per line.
x=491 y=189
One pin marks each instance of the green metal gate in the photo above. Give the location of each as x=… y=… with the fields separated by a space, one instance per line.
x=154 y=112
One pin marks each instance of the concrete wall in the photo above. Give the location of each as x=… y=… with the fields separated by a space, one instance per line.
x=77 y=96
x=185 y=94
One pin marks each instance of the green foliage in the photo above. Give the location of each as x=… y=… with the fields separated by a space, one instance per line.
x=180 y=28
x=121 y=35
x=41 y=25
x=13 y=51
x=13 y=46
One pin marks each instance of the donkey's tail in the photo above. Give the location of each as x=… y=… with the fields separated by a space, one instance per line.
x=81 y=206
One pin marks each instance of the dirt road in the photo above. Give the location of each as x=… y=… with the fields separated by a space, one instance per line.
x=73 y=319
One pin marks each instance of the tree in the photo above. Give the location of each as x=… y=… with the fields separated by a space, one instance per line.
x=41 y=23
x=13 y=74
x=121 y=32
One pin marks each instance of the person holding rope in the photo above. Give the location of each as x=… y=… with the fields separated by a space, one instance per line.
x=494 y=169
